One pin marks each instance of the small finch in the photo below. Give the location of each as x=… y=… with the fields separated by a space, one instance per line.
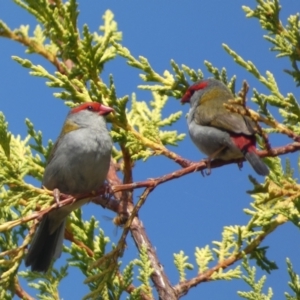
x=78 y=163
x=218 y=132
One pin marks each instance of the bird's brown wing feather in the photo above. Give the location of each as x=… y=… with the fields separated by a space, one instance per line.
x=235 y=123
x=225 y=120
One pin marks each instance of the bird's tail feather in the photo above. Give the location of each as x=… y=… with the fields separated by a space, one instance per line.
x=45 y=246
x=257 y=164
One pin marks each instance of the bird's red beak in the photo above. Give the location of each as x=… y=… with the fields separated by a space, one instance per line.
x=105 y=110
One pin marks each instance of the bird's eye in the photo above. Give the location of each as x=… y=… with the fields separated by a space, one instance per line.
x=90 y=107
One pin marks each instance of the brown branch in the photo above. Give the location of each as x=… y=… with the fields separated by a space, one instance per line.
x=153 y=182
x=202 y=165
x=131 y=288
x=19 y=290
x=70 y=237
x=183 y=287
x=132 y=213
x=157 y=148
x=135 y=226
x=263 y=134
x=278 y=126
x=270 y=122
x=124 y=201
x=112 y=177
x=243 y=93
x=159 y=278
x=38 y=48
x=119 y=249
x=289 y=148
x=111 y=204
x=245 y=111
x=127 y=170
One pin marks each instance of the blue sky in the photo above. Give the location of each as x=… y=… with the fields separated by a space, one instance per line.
x=191 y=211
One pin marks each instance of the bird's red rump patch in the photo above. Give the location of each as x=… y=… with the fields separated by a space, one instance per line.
x=244 y=142
x=192 y=89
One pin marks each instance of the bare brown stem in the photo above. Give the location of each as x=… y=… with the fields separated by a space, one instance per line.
x=19 y=290
x=183 y=287
x=200 y=166
x=69 y=236
x=131 y=289
x=38 y=48
x=159 y=278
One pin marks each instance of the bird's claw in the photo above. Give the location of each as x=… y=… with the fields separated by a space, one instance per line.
x=56 y=196
x=208 y=172
x=208 y=168
x=240 y=164
x=106 y=192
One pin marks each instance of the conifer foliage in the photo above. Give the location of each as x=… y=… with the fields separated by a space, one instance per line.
x=140 y=131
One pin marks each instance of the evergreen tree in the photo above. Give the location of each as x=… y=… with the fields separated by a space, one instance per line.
x=140 y=132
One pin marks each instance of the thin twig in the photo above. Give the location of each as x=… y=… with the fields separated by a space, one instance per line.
x=66 y=200
x=183 y=287
x=131 y=288
x=20 y=292
x=159 y=277
x=202 y=165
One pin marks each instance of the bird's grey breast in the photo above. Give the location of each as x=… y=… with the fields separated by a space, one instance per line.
x=210 y=140
x=80 y=162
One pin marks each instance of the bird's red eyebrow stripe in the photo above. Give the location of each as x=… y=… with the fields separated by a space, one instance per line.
x=96 y=106
x=190 y=91
x=199 y=86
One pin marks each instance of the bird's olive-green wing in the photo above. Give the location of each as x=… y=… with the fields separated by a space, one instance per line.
x=212 y=112
x=225 y=120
